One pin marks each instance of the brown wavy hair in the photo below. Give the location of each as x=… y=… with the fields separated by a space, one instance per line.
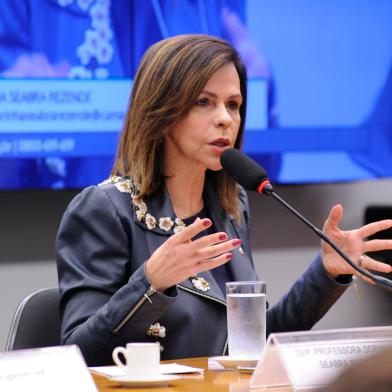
x=170 y=77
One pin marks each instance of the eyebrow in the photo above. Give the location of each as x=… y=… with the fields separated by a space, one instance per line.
x=215 y=96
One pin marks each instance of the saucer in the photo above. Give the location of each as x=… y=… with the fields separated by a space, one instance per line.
x=160 y=380
x=232 y=363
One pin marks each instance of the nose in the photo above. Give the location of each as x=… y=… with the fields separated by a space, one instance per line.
x=222 y=117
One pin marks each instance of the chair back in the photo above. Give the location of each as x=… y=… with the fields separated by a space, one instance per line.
x=36 y=322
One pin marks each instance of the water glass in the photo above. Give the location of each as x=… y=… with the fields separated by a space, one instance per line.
x=246 y=318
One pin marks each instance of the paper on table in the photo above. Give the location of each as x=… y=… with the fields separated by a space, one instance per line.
x=175 y=368
x=42 y=369
x=170 y=368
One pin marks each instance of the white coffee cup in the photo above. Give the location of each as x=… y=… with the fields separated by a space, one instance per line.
x=142 y=359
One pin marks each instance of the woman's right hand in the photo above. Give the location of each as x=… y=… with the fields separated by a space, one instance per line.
x=179 y=257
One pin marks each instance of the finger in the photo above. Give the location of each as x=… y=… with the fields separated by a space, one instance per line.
x=375 y=227
x=218 y=249
x=193 y=229
x=209 y=264
x=375 y=245
x=365 y=279
x=334 y=217
x=374 y=265
x=208 y=240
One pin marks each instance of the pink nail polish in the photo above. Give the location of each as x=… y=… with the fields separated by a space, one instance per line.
x=223 y=237
x=237 y=242
x=229 y=256
x=206 y=222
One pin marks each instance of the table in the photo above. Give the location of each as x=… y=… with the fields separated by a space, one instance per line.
x=213 y=380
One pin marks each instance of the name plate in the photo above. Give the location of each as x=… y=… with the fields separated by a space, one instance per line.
x=45 y=370
x=314 y=358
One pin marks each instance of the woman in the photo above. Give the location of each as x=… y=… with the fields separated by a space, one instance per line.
x=145 y=256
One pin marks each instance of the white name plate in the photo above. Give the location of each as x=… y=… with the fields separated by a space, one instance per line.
x=60 y=369
x=313 y=358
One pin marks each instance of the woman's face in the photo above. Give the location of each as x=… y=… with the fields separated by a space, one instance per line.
x=210 y=127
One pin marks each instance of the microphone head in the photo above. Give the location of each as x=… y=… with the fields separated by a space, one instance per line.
x=244 y=170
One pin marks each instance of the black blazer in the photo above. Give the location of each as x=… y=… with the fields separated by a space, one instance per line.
x=103 y=243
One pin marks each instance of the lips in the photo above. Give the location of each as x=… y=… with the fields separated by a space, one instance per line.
x=219 y=145
x=221 y=142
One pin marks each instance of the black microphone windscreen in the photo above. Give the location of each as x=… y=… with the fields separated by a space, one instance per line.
x=248 y=173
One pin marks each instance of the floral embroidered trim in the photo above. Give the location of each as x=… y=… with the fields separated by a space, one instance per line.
x=200 y=283
x=122 y=184
x=125 y=185
x=179 y=225
x=165 y=224
x=157 y=330
x=150 y=221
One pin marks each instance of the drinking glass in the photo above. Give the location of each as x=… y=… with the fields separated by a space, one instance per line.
x=246 y=318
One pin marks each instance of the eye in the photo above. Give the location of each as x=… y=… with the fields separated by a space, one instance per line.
x=233 y=105
x=202 y=102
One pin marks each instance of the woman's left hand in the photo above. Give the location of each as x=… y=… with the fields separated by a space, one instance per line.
x=354 y=243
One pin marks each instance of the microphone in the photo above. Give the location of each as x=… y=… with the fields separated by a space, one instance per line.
x=251 y=176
